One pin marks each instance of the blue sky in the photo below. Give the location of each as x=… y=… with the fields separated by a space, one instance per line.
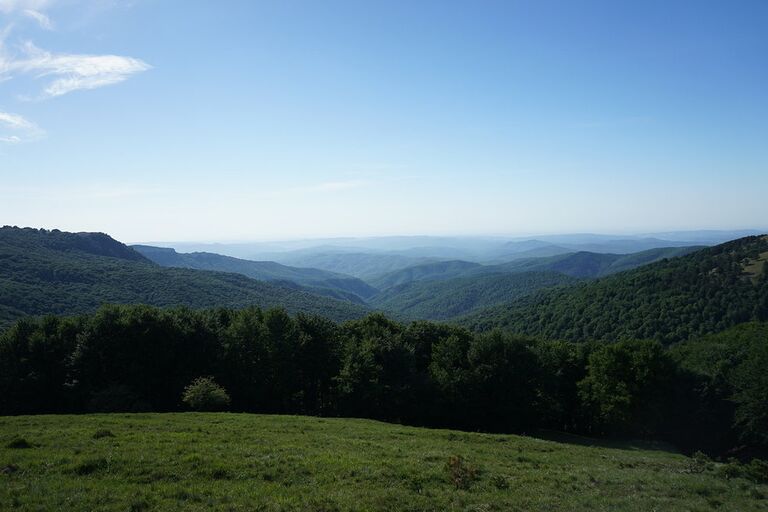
x=237 y=120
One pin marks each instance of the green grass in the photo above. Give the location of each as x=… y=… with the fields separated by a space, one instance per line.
x=252 y=462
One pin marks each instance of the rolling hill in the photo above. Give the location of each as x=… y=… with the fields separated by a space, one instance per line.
x=357 y=264
x=671 y=300
x=221 y=461
x=578 y=264
x=423 y=272
x=319 y=281
x=586 y=264
x=45 y=272
x=448 y=299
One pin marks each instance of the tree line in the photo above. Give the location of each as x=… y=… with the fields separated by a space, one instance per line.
x=141 y=358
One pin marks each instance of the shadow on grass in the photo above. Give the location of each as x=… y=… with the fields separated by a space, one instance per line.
x=614 y=443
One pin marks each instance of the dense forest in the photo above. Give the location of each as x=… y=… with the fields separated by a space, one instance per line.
x=452 y=298
x=68 y=273
x=581 y=264
x=670 y=301
x=707 y=395
x=587 y=264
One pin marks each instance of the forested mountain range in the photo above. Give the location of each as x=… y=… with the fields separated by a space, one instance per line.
x=579 y=264
x=358 y=264
x=45 y=272
x=448 y=299
x=478 y=249
x=319 y=281
x=586 y=264
x=686 y=292
x=423 y=272
x=671 y=300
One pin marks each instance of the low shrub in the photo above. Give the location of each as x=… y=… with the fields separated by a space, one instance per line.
x=203 y=394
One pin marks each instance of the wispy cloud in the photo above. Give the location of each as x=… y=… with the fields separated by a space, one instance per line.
x=33 y=9
x=70 y=72
x=42 y=19
x=14 y=129
x=64 y=72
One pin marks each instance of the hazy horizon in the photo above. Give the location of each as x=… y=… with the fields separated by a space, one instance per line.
x=489 y=236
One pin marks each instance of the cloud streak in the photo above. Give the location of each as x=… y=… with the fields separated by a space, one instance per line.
x=14 y=129
x=70 y=72
x=43 y=20
x=33 y=9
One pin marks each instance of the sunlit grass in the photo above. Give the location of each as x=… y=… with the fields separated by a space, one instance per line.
x=252 y=462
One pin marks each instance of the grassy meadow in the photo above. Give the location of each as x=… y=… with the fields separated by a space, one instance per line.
x=190 y=461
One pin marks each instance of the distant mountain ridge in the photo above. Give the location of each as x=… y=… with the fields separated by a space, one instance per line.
x=478 y=249
x=360 y=265
x=57 y=272
x=424 y=272
x=575 y=264
x=587 y=264
x=319 y=281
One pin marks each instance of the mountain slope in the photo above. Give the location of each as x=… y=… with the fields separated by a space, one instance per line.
x=423 y=272
x=578 y=264
x=66 y=273
x=320 y=281
x=670 y=300
x=361 y=265
x=443 y=300
x=588 y=264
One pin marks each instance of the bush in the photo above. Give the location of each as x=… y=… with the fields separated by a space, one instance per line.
x=699 y=462
x=205 y=395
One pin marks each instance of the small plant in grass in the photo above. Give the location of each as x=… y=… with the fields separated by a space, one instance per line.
x=699 y=463
x=460 y=473
x=19 y=443
x=500 y=482
x=203 y=394
x=99 y=434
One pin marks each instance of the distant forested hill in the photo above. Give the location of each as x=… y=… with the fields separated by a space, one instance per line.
x=361 y=265
x=575 y=264
x=589 y=264
x=67 y=273
x=444 y=300
x=424 y=272
x=319 y=281
x=672 y=300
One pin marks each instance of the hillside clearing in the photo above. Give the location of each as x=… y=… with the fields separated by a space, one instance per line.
x=252 y=462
